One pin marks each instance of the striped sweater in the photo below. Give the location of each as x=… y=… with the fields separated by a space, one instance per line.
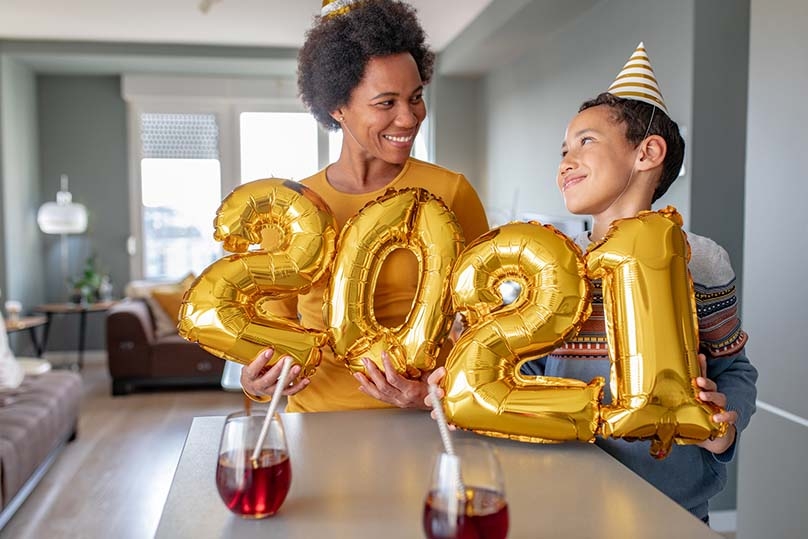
x=690 y=475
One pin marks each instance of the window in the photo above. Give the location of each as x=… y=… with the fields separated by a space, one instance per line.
x=192 y=141
x=278 y=144
x=180 y=158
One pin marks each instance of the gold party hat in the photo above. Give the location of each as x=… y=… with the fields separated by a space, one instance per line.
x=332 y=8
x=637 y=81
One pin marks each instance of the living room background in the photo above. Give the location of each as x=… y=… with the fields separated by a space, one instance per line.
x=504 y=91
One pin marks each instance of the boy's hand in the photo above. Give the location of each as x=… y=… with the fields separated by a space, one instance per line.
x=709 y=393
x=435 y=379
x=389 y=386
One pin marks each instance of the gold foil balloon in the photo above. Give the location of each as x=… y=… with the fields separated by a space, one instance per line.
x=485 y=391
x=411 y=219
x=222 y=310
x=652 y=333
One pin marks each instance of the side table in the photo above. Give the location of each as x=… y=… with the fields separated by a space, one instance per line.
x=49 y=309
x=30 y=323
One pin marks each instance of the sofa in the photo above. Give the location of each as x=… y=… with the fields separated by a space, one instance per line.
x=141 y=357
x=37 y=418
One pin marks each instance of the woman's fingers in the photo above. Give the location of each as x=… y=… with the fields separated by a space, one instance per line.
x=373 y=373
x=367 y=387
x=257 y=379
x=392 y=377
x=253 y=370
x=296 y=387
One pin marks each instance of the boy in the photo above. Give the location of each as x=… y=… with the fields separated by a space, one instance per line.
x=619 y=155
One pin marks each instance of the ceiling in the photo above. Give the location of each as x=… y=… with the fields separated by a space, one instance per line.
x=264 y=23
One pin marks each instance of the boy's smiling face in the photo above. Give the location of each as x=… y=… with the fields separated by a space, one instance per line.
x=596 y=165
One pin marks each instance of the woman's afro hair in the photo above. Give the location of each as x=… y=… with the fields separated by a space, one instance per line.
x=338 y=48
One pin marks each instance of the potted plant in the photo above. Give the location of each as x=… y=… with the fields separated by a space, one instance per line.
x=87 y=287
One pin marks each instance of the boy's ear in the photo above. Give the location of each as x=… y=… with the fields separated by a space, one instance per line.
x=652 y=153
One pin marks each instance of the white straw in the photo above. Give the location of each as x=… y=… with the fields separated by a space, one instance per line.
x=443 y=426
x=448 y=448
x=273 y=404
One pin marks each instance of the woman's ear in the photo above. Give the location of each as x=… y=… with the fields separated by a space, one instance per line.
x=653 y=150
x=338 y=115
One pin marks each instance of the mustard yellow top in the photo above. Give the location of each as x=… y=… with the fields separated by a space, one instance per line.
x=333 y=387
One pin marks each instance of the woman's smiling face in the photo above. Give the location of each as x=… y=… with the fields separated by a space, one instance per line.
x=385 y=110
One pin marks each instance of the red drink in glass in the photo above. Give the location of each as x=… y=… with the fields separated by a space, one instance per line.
x=254 y=492
x=485 y=516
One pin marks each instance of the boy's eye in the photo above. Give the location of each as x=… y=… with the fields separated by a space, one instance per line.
x=563 y=154
x=586 y=140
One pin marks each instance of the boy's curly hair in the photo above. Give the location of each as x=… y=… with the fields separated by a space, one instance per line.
x=338 y=48
x=636 y=115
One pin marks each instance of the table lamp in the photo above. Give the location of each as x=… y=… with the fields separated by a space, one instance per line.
x=62 y=217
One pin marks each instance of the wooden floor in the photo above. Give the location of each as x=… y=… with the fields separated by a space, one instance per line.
x=113 y=479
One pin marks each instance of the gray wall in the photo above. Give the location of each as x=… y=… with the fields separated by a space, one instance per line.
x=717 y=144
x=529 y=102
x=23 y=265
x=3 y=77
x=772 y=498
x=720 y=78
x=82 y=129
x=457 y=124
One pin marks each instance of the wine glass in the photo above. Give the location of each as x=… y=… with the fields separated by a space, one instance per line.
x=466 y=497
x=253 y=489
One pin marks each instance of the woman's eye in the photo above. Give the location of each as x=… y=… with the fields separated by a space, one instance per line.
x=417 y=98
x=586 y=140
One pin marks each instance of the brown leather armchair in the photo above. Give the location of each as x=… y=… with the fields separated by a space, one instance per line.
x=138 y=357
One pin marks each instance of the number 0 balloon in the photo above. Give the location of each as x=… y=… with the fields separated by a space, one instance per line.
x=409 y=219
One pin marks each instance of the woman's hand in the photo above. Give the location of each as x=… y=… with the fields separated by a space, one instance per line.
x=391 y=387
x=257 y=380
x=709 y=393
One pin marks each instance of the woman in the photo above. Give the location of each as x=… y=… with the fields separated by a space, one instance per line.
x=362 y=70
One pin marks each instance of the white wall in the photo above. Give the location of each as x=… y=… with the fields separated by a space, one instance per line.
x=772 y=499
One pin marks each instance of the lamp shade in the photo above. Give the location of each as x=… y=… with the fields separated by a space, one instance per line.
x=63 y=216
x=55 y=218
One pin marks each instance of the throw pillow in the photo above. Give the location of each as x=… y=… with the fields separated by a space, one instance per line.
x=165 y=316
x=165 y=301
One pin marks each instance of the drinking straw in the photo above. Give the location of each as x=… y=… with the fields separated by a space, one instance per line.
x=448 y=448
x=443 y=426
x=273 y=404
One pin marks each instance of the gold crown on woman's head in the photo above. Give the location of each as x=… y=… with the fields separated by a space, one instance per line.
x=332 y=8
x=637 y=81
